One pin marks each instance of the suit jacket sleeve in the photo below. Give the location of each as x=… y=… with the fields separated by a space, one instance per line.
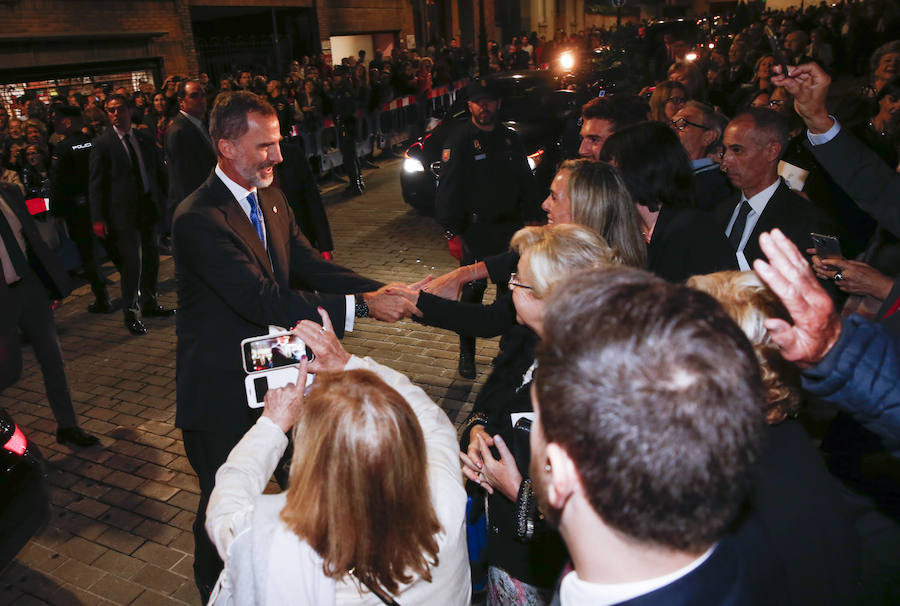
x=872 y=184
x=218 y=258
x=468 y=319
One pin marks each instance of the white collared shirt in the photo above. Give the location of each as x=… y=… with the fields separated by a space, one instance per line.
x=758 y=204
x=575 y=592
x=240 y=194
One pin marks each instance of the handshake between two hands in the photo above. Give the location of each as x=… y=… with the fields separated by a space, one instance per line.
x=395 y=301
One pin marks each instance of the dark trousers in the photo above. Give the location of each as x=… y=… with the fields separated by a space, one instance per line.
x=137 y=258
x=347 y=146
x=29 y=310
x=81 y=232
x=206 y=452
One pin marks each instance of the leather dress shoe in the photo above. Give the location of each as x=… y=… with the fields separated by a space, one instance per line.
x=157 y=311
x=74 y=436
x=100 y=306
x=135 y=326
x=466 y=365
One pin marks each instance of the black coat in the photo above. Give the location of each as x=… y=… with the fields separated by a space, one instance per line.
x=189 y=158
x=687 y=242
x=115 y=194
x=788 y=211
x=539 y=561
x=296 y=181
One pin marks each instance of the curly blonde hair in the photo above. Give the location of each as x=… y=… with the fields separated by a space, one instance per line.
x=749 y=302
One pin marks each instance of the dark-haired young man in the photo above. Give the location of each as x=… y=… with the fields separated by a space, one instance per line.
x=603 y=116
x=643 y=443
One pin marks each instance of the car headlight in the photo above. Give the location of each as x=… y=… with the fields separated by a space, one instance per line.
x=411 y=165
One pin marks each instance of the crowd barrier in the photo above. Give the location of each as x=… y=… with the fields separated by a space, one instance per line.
x=387 y=128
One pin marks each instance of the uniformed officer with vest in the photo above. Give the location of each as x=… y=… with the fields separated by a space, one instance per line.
x=69 y=198
x=486 y=192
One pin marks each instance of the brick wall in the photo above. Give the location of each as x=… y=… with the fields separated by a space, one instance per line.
x=81 y=18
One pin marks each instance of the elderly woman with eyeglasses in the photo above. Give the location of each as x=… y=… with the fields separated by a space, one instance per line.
x=524 y=556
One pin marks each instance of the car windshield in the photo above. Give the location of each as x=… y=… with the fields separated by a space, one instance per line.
x=524 y=99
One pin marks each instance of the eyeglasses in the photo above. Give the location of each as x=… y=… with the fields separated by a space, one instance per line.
x=776 y=103
x=514 y=282
x=682 y=123
x=676 y=100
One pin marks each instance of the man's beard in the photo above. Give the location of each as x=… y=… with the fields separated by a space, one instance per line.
x=485 y=118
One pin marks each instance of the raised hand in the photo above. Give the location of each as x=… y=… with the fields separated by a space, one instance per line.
x=808 y=83
x=816 y=325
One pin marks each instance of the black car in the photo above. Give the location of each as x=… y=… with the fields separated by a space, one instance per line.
x=24 y=503
x=531 y=106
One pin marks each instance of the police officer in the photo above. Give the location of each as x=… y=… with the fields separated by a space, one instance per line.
x=486 y=192
x=345 y=106
x=69 y=198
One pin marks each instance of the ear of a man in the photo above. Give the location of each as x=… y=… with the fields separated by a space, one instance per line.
x=564 y=481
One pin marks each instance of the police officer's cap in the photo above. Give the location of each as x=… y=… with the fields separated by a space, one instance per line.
x=483 y=88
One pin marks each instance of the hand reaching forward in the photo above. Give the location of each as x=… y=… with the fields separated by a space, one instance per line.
x=816 y=326
x=283 y=404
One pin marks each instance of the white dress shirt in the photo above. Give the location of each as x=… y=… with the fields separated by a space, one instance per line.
x=823 y=138
x=758 y=204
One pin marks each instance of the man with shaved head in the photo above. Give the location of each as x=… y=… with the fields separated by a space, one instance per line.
x=754 y=142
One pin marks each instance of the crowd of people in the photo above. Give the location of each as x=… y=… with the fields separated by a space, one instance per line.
x=664 y=312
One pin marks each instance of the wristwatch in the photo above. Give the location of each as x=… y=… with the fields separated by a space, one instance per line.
x=362 y=308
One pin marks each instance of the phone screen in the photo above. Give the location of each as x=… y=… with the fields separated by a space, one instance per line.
x=274 y=352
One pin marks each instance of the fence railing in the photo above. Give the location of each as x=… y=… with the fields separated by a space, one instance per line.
x=386 y=128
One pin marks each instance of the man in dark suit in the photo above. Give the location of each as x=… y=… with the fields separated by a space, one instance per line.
x=28 y=271
x=644 y=526
x=189 y=153
x=754 y=141
x=241 y=266
x=126 y=197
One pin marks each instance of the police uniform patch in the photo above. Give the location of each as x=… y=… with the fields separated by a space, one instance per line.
x=445 y=155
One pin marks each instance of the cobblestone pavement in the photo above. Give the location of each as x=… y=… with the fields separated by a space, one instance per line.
x=120 y=531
